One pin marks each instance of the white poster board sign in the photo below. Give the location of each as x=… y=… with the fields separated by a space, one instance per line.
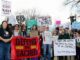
x=6 y=7
x=66 y=47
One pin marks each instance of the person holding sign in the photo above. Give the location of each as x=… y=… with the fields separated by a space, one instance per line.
x=34 y=33
x=47 y=42
x=54 y=38
x=78 y=45
x=63 y=34
x=5 y=38
x=24 y=31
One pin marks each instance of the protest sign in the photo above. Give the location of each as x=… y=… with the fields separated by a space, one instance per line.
x=30 y=23
x=24 y=48
x=58 y=22
x=45 y=20
x=65 y=47
x=6 y=7
x=76 y=25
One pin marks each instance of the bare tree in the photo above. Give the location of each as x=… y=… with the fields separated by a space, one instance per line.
x=23 y=15
x=75 y=4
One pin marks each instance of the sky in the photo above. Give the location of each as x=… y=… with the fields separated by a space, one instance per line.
x=54 y=8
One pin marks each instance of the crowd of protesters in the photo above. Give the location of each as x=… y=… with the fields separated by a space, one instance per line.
x=7 y=31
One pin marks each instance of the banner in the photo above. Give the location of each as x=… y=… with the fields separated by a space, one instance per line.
x=65 y=47
x=24 y=48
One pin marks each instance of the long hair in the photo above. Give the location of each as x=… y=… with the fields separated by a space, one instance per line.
x=35 y=28
x=23 y=26
x=6 y=23
x=7 y=28
x=15 y=26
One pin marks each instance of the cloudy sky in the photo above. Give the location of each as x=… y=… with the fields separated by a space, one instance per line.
x=54 y=8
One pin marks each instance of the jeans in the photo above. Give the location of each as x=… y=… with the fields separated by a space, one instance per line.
x=78 y=53
x=4 y=51
x=47 y=51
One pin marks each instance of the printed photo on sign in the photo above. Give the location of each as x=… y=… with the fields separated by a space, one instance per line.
x=44 y=21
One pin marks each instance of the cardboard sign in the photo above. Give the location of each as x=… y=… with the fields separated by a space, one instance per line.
x=76 y=25
x=6 y=7
x=30 y=23
x=66 y=47
x=24 y=48
x=44 y=21
x=58 y=22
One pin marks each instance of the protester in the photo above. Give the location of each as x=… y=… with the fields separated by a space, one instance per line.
x=54 y=38
x=5 y=38
x=64 y=34
x=24 y=34
x=10 y=27
x=71 y=34
x=23 y=31
x=47 y=42
x=34 y=33
x=61 y=34
x=54 y=33
x=78 y=45
x=57 y=30
x=41 y=45
x=16 y=31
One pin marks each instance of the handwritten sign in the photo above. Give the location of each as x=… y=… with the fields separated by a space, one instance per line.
x=25 y=48
x=6 y=7
x=66 y=47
